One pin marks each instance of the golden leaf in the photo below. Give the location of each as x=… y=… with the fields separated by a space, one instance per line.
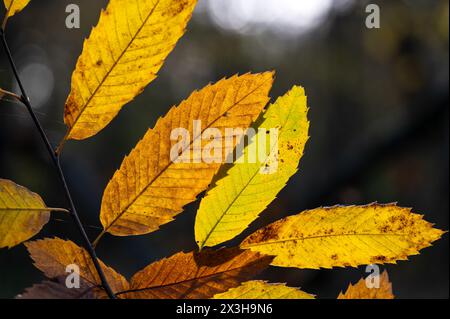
x=52 y=256
x=197 y=275
x=15 y=6
x=361 y=291
x=121 y=57
x=246 y=190
x=261 y=290
x=344 y=237
x=150 y=189
x=22 y=214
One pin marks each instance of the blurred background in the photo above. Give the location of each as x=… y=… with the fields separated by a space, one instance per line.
x=379 y=121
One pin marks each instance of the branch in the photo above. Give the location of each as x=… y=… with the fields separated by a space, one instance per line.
x=56 y=161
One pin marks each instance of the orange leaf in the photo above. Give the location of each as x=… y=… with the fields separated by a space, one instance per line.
x=151 y=187
x=52 y=256
x=197 y=275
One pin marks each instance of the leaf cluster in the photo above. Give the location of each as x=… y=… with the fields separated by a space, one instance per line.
x=122 y=56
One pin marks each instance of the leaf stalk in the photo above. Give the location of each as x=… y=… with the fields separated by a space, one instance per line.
x=10 y=94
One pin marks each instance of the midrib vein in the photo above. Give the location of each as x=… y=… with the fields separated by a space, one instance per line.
x=115 y=63
x=316 y=237
x=195 y=278
x=170 y=163
x=246 y=185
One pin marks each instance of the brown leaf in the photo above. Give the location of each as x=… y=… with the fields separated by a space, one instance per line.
x=197 y=275
x=52 y=256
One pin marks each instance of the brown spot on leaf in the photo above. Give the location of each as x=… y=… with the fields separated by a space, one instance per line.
x=268 y=233
x=70 y=108
x=378 y=259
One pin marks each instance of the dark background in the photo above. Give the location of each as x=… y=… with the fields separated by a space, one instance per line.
x=379 y=121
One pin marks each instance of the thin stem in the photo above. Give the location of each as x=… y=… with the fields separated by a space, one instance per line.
x=56 y=161
x=10 y=94
x=96 y=241
x=84 y=225
x=59 y=210
x=60 y=146
x=5 y=19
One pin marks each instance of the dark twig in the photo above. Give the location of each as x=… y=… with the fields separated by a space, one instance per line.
x=56 y=161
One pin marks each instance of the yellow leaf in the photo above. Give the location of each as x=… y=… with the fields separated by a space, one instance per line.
x=247 y=189
x=22 y=214
x=197 y=275
x=52 y=256
x=150 y=188
x=262 y=290
x=122 y=56
x=344 y=237
x=15 y=6
x=361 y=291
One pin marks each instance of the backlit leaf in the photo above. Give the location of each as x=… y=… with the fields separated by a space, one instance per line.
x=262 y=290
x=22 y=214
x=344 y=237
x=238 y=198
x=15 y=6
x=52 y=256
x=150 y=188
x=122 y=56
x=361 y=291
x=197 y=275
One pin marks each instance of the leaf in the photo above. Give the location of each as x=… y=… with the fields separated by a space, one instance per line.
x=361 y=291
x=15 y=6
x=197 y=275
x=150 y=189
x=120 y=58
x=261 y=290
x=344 y=237
x=238 y=199
x=57 y=290
x=52 y=256
x=22 y=214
